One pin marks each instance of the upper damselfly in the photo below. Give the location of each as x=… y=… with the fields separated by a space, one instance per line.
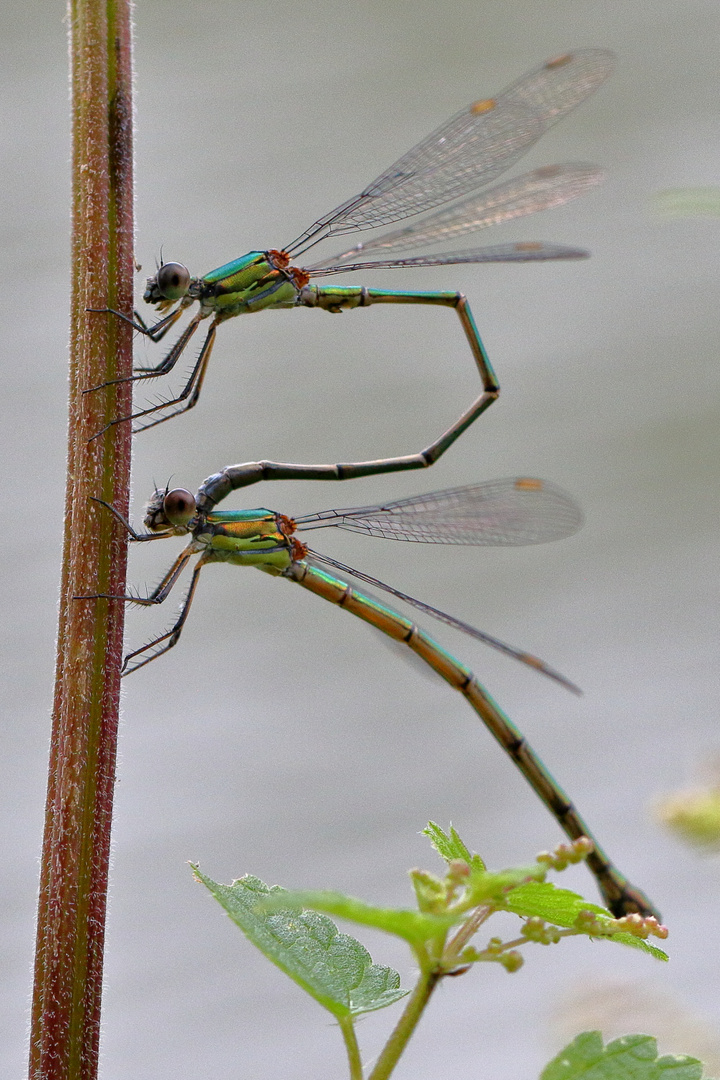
x=465 y=154
x=499 y=512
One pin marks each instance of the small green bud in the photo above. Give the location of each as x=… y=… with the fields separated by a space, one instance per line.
x=512 y=961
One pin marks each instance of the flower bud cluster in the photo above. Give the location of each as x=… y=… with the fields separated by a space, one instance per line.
x=536 y=929
x=637 y=925
x=566 y=854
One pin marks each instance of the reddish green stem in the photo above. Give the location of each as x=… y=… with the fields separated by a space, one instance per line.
x=73 y=886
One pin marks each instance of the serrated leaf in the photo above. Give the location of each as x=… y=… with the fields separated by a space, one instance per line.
x=332 y=967
x=415 y=927
x=633 y=1057
x=450 y=846
x=562 y=907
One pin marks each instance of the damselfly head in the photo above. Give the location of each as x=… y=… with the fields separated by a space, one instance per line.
x=170 y=510
x=170 y=283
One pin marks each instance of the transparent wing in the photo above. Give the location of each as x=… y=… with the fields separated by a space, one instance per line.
x=314 y=557
x=553 y=89
x=498 y=513
x=552 y=185
x=529 y=251
x=471 y=148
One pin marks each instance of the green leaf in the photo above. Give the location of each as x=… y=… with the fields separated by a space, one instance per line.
x=546 y=900
x=413 y=926
x=562 y=907
x=450 y=846
x=633 y=1057
x=332 y=967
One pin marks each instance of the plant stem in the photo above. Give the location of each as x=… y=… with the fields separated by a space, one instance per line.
x=73 y=885
x=429 y=978
x=351 y=1045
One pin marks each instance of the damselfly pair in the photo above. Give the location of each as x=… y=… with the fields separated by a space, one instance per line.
x=466 y=153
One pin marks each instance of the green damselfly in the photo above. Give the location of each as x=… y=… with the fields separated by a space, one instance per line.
x=500 y=512
x=466 y=153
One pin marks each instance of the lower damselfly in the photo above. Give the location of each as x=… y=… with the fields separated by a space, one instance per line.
x=465 y=154
x=498 y=512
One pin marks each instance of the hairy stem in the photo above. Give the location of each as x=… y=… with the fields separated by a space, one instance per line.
x=73 y=886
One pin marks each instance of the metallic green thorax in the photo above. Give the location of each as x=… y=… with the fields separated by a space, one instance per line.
x=250 y=283
x=258 y=538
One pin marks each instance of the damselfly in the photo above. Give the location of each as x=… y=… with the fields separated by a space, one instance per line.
x=498 y=512
x=464 y=154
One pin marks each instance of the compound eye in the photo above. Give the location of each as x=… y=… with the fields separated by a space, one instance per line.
x=179 y=506
x=173 y=280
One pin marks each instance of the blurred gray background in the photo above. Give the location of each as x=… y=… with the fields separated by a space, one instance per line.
x=283 y=737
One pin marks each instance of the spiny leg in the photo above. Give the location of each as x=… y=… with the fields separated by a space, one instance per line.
x=166 y=364
x=189 y=394
x=171 y=636
x=161 y=591
x=169 y=361
x=188 y=397
x=158 y=596
x=155 y=333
